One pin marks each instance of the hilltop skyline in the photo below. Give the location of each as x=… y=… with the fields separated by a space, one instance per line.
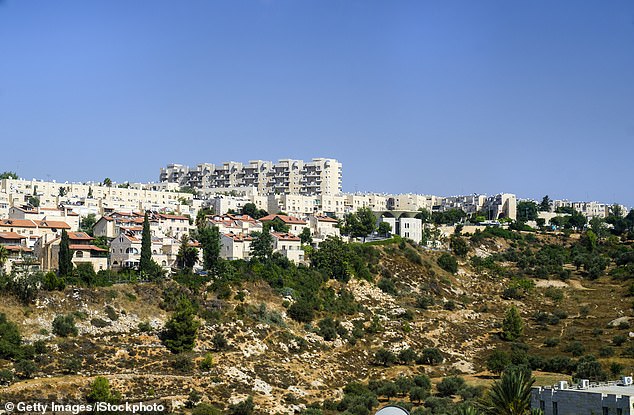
x=433 y=98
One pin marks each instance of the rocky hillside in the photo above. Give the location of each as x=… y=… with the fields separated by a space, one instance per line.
x=407 y=305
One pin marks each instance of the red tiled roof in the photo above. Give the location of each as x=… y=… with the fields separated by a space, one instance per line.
x=11 y=235
x=238 y=237
x=79 y=236
x=177 y=217
x=52 y=224
x=80 y=247
x=18 y=223
x=283 y=218
x=285 y=236
x=325 y=219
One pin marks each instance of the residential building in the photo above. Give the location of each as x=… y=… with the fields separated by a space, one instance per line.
x=33 y=230
x=81 y=246
x=609 y=398
x=405 y=227
x=235 y=246
x=287 y=176
x=18 y=252
x=288 y=245
x=295 y=225
x=43 y=213
x=321 y=227
x=125 y=251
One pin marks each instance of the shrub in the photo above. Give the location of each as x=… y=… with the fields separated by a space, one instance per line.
x=619 y=339
x=328 y=329
x=207 y=363
x=424 y=302
x=245 y=407
x=112 y=313
x=100 y=391
x=183 y=363
x=206 y=409
x=6 y=377
x=145 y=327
x=430 y=356
x=498 y=361
x=220 y=342
x=384 y=357
x=448 y=263
x=449 y=305
x=99 y=323
x=450 y=386
x=551 y=342
x=512 y=326
x=181 y=329
x=10 y=339
x=606 y=351
x=576 y=348
x=64 y=326
x=406 y=356
x=387 y=286
x=301 y=311
x=555 y=294
x=25 y=369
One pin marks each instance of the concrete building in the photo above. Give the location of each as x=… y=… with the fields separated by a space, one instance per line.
x=287 y=176
x=33 y=230
x=321 y=227
x=611 y=398
x=288 y=245
x=235 y=246
x=295 y=225
x=81 y=247
x=405 y=226
x=19 y=253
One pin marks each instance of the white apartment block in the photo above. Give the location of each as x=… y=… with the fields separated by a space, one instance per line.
x=410 y=228
x=289 y=246
x=588 y=209
x=287 y=176
x=412 y=202
x=356 y=201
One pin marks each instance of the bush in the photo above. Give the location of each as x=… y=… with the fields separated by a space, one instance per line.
x=181 y=329
x=112 y=313
x=100 y=391
x=25 y=369
x=145 y=327
x=424 y=302
x=384 y=357
x=430 y=356
x=10 y=339
x=64 y=326
x=220 y=342
x=555 y=294
x=551 y=342
x=328 y=329
x=301 y=311
x=450 y=386
x=100 y=323
x=245 y=407
x=576 y=348
x=448 y=263
x=618 y=340
x=206 y=409
x=6 y=377
x=207 y=363
x=183 y=363
x=387 y=286
x=407 y=356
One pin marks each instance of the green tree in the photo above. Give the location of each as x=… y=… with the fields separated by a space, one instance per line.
x=100 y=391
x=262 y=245
x=511 y=395
x=65 y=256
x=384 y=229
x=9 y=175
x=187 y=255
x=526 y=210
x=277 y=225
x=107 y=182
x=306 y=237
x=145 y=263
x=64 y=326
x=87 y=223
x=458 y=246
x=209 y=238
x=424 y=215
x=34 y=201
x=252 y=210
x=498 y=361
x=4 y=256
x=201 y=217
x=333 y=259
x=512 y=325
x=448 y=263
x=10 y=339
x=544 y=206
x=181 y=329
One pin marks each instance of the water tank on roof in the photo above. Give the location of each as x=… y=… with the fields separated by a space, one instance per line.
x=626 y=380
x=584 y=384
x=562 y=384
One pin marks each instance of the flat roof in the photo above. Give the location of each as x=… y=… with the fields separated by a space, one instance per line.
x=610 y=388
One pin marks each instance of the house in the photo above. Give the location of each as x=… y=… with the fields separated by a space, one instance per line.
x=49 y=214
x=235 y=246
x=81 y=246
x=405 y=227
x=125 y=252
x=19 y=253
x=173 y=226
x=33 y=229
x=288 y=245
x=321 y=227
x=295 y=225
x=608 y=398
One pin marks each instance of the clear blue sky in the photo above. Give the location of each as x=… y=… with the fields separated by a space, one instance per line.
x=438 y=97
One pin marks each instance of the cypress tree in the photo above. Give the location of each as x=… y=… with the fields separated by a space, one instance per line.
x=65 y=256
x=145 y=264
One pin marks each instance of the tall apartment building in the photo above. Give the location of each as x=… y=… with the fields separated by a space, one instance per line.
x=287 y=176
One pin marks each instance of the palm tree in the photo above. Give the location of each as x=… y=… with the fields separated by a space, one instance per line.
x=511 y=395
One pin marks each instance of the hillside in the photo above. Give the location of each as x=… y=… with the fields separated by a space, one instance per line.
x=406 y=301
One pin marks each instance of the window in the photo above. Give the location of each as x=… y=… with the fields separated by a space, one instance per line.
x=542 y=406
x=79 y=254
x=606 y=410
x=619 y=411
x=555 y=409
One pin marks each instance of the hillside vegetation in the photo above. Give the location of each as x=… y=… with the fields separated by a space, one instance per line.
x=364 y=325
